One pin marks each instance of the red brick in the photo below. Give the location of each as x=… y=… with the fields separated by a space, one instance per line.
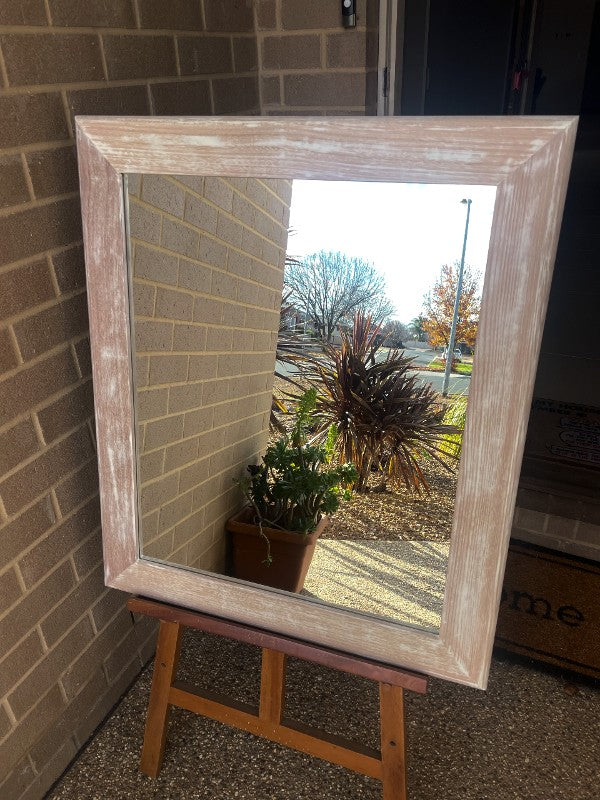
x=174 y=15
x=53 y=171
x=30 y=118
x=34 y=230
x=130 y=57
x=200 y=55
x=51 y=58
x=32 y=385
x=50 y=327
x=23 y=12
x=106 y=14
x=181 y=97
x=13 y=188
x=67 y=412
x=30 y=481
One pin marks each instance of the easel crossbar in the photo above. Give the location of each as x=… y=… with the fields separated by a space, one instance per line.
x=311 y=741
x=318 y=654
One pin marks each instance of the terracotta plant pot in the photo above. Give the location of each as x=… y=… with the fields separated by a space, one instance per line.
x=291 y=552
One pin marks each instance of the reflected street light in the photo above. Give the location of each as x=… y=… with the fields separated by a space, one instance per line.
x=450 y=349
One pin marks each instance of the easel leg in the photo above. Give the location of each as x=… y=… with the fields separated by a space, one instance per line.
x=165 y=667
x=391 y=709
x=272 y=685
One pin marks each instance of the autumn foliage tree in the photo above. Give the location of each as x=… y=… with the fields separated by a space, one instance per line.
x=438 y=307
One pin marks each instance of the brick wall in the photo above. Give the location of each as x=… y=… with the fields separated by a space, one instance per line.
x=309 y=64
x=68 y=647
x=208 y=258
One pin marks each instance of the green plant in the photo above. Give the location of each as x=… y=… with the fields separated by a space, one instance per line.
x=455 y=416
x=387 y=422
x=296 y=484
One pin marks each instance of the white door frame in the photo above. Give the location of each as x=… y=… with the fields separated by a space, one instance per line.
x=390 y=11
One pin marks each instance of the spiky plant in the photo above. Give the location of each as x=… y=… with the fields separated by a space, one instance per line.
x=387 y=422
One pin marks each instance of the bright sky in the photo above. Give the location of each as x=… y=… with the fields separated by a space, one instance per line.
x=406 y=230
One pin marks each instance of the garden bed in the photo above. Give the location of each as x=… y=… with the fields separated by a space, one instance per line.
x=399 y=514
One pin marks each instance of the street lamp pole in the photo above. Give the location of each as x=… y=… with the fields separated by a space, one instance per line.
x=450 y=349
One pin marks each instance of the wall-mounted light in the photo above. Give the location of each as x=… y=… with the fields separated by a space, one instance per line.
x=349 y=13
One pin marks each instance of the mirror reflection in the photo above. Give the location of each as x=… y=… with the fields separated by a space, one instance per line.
x=310 y=330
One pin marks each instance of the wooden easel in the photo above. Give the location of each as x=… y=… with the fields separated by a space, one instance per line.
x=388 y=764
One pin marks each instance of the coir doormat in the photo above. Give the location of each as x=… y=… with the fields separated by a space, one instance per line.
x=550 y=609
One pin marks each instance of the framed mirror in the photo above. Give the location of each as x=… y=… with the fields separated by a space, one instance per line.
x=186 y=225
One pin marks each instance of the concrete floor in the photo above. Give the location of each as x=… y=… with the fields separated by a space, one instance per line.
x=402 y=581
x=530 y=736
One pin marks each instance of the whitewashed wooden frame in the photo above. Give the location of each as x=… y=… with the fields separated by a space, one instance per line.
x=528 y=161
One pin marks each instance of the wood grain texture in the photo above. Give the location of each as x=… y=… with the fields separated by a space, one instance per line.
x=272 y=685
x=528 y=160
x=300 y=737
x=393 y=764
x=165 y=668
x=242 y=632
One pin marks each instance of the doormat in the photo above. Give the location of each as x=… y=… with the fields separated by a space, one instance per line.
x=549 y=609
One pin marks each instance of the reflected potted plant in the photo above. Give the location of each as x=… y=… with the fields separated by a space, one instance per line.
x=289 y=497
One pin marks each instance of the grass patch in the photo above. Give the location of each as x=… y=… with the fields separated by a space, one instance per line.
x=461 y=367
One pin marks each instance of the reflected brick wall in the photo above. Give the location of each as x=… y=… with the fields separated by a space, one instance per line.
x=208 y=256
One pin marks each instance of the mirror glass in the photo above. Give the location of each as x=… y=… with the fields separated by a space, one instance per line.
x=244 y=292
